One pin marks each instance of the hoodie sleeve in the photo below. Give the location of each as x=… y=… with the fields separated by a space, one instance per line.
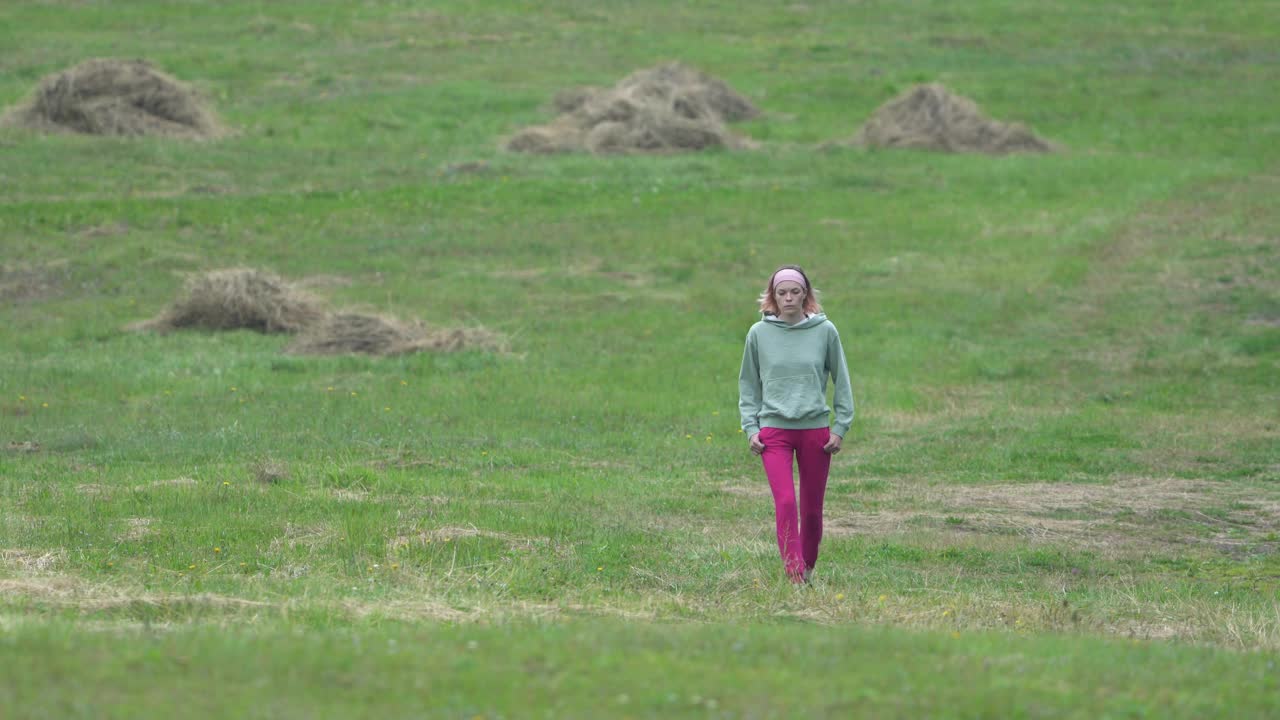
x=842 y=397
x=750 y=389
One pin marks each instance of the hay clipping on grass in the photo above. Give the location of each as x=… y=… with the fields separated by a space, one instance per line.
x=238 y=298
x=933 y=118
x=665 y=109
x=107 y=96
x=250 y=299
x=370 y=334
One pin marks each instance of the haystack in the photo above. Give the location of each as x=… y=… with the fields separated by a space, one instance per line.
x=239 y=298
x=669 y=108
x=933 y=118
x=691 y=92
x=350 y=332
x=106 y=96
x=245 y=298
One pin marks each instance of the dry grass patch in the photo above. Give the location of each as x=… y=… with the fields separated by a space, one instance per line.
x=25 y=282
x=107 y=96
x=136 y=528
x=755 y=539
x=435 y=610
x=937 y=602
x=70 y=592
x=741 y=593
x=172 y=482
x=1139 y=494
x=270 y=472
x=54 y=587
x=304 y=536
x=931 y=117
x=668 y=108
x=349 y=495
x=408 y=610
x=452 y=533
x=94 y=490
x=104 y=230
x=31 y=561
x=1129 y=516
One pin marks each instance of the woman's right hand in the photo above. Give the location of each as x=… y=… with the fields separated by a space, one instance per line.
x=757 y=447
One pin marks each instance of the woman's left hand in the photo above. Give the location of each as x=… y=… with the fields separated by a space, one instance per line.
x=833 y=444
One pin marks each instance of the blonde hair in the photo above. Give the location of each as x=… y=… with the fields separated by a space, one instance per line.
x=769 y=306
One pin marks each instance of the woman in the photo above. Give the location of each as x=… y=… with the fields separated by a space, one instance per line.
x=782 y=393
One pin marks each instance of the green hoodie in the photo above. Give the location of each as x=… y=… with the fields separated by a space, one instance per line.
x=783 y=381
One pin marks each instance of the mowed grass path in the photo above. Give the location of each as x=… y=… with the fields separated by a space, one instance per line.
x=1060 y=497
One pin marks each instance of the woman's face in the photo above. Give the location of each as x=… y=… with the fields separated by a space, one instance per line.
x=789 y=295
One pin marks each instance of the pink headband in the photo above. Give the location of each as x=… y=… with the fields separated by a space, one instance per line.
x=787 y=274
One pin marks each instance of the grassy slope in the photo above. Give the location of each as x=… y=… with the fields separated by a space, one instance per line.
x=1023 y=331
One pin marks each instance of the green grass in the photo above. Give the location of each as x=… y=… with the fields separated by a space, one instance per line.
x=589 y=669
x=1067 y=369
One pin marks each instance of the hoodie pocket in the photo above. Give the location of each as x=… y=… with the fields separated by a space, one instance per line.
x=794 y=396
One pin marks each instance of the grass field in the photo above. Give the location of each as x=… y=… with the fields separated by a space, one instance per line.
x=1060 y=498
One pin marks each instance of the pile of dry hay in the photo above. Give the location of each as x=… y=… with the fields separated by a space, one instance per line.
x=349 y=332
x=933 y=118
x=250 y=299
x=106 y=96
x=669 y=108
x=239 y=298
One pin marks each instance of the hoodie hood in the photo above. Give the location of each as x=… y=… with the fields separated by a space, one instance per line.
x=812 y=321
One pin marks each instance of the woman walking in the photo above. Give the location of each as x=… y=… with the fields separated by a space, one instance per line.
x=782 y=396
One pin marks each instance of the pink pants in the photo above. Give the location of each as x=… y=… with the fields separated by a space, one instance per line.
x=798 y=545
